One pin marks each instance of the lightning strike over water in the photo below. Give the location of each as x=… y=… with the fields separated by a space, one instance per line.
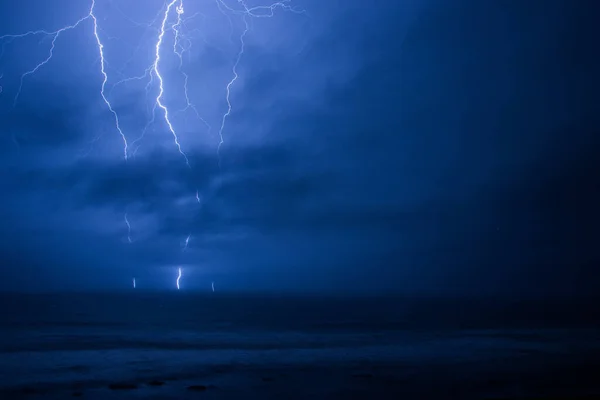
x=168 y=24
x=178 y=277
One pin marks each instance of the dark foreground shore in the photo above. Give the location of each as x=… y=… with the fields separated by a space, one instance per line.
x=364 y=380
x=182 y=347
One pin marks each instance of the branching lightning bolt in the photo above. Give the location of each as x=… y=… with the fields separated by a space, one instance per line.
x=55 y=35
x=156 y=70
x=105 y=79
x=178 y=49
x=248 y=12
x=163 y=23
x=228 y=89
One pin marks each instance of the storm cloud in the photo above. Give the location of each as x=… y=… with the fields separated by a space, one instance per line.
x=400 y=147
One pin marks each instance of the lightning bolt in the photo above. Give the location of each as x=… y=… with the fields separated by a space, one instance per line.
x=248 y=12
x=169 y=19
x=55 y=35
x=178 y=50
x=156 y=70
x=186 y=242
x=128 y=228
x=212 y=285
x=228 y=88
x=105 y=79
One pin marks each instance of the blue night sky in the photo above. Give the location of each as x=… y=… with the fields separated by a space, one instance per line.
x=408 y=146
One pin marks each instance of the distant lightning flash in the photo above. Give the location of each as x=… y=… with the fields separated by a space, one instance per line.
x=134 y=283
x=128 y=228
x=186 y=242
x=178 y=278
x=213 y=286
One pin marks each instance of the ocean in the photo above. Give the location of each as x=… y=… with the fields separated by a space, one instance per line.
x=181 y=345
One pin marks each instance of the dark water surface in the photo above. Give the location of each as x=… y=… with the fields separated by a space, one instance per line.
x=52 y=346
